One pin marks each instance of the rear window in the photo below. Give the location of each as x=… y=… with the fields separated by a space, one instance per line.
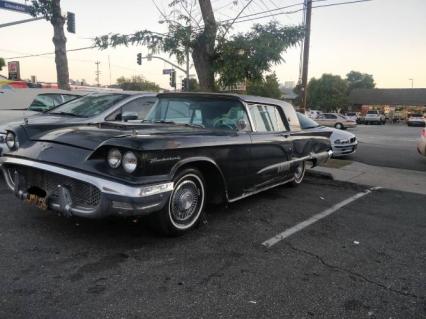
x=372 y=112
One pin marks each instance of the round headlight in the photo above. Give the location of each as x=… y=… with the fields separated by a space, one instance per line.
x=114 y=158
x=130 y=162
x=11 y=140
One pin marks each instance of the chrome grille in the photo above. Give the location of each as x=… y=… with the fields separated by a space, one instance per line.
x=82 y=194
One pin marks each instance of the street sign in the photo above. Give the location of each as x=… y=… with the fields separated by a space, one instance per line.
x=167 y=71
x=14 y=6
x=14 y=72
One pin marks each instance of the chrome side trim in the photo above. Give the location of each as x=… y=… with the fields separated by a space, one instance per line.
x=285 y=166
x=259 y=190
x=104 y=185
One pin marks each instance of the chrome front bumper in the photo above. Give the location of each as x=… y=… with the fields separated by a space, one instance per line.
x=115 y=198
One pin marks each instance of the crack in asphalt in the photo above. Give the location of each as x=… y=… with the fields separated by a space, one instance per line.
x=378 y=284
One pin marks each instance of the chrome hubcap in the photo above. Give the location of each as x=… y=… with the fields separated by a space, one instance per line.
x=300 y=170
x=185 y=201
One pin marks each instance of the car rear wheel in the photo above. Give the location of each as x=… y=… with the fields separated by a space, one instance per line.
x=339 y=126
x=299 y=174
x=185 y=206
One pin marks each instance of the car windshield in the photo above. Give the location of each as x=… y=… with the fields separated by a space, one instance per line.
x=89 y=105
x=351 y=114
x=214 y=113
x=306 y=122
x=372 y=112
x=416 y=115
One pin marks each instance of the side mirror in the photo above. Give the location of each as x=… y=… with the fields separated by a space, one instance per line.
x=129 y=116
x=241 y=125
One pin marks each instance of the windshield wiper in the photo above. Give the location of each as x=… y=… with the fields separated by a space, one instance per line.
x=67 y=114
x=194 y=125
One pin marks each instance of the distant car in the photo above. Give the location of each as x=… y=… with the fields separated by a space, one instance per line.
x=336 y=120
x=92 y=108
x=353 y=116
x=374 y=117
x=19 y=104
x=416 y=120
x=313 y=114
x=421 y=144
x=342 y=142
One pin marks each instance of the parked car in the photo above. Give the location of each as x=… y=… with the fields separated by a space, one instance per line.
x=416 y=120
x=374 y=117
x=336 y=120
x=92 y=108
x=313 y=114
x=191 y=148
x=342 y=142
x=421 y=144
x=353 y=116
x=21 y=103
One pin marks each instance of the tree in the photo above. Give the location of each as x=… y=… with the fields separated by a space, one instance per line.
x=328 y=93
x=193 y=85
x=268 y=87
x=358 y=80
x=51 y=10
x=137 y=83
x=2 y=63
x=232 y=58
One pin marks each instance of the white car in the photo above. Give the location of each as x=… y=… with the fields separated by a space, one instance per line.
x=353 y=116
x=416 y=120
x=342 y=142
x=313 y=114
x=374 y=117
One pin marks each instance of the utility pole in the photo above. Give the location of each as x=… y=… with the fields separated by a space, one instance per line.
x=306 y=44
x=412 y=83
x=97 y=72
x=187 y=69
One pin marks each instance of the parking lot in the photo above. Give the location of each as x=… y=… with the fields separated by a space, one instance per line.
x=390 y=145
x=364 y=260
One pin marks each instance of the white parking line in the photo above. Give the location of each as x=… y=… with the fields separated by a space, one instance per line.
x=290 y=231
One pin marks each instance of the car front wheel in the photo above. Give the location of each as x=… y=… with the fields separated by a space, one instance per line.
x=185 y=205
x=339 y=126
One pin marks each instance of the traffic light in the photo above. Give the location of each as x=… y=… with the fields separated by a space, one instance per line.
x=184 y=89
x=139 y=58
x=71 y=22
x=172 y=81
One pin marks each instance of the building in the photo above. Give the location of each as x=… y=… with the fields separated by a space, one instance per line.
x=392 y=102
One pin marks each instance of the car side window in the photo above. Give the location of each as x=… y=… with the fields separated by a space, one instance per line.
x=267 y=118
x=45 y=102
x=136 y=109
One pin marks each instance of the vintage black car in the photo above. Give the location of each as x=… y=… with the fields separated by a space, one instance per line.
x=190 y=149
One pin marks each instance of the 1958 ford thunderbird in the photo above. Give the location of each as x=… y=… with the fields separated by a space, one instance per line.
x=190 y=149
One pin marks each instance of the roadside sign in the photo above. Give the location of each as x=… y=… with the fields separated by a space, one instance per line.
x=14 y=72
x=167 y=71
x=14 y=6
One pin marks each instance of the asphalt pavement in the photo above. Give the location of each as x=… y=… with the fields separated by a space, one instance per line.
x=365 y=259
x=390 y=145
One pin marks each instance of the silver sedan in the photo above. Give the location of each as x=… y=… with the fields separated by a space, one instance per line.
x=342 y=142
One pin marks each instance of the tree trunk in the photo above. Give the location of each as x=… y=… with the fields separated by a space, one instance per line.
x=59 y=40
x=204 y=48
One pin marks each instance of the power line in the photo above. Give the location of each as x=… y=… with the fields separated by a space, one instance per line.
x=299 y=10
x=47 y=53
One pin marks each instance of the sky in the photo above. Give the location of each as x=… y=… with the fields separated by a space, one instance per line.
x=385 y=38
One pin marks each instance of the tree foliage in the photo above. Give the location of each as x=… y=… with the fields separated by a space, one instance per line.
x=2 y=63
x=230 y=58
x=267 y=87
x=328 y=93
x=137 y=83
x=358 y=80
x=250 y=55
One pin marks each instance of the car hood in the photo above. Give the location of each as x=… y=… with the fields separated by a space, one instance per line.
x=91 y=136
x=45 y=118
